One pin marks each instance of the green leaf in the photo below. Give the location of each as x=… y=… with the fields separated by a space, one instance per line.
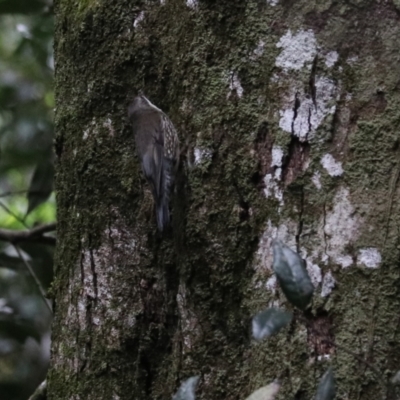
x=269 y=322
x=21 y=6
x=326 y=388
x=265 y=393
x=187 y=389
x=41 y=185
x=292 y=275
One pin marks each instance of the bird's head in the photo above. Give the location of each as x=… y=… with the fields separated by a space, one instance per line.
x=140 y=103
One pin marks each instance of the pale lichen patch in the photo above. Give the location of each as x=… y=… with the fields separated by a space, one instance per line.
x=328 y=284
x=108 y=124
x=297 y=50
x=277 y=156
x=333 y=167
x=271 y=283
x=235 y=85
x=91 y=129
x=286 y=232
x=201 y=155
x=138 y=19
x=324 y=357
x=309 y=113
x=316 y=180
x=344 y=261
x=192 y=3
x=271 y=185
x=306 y=103
x=314 y=271
x=370 y=257
x=331 y=58
x=341 y=226
x=272 y=189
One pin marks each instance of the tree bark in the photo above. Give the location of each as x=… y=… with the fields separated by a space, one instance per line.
x=288 y=114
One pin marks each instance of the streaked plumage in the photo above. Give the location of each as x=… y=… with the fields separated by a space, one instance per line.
x=158 y=149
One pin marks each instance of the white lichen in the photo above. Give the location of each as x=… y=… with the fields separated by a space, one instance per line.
x=316 y=180
x=272 y=189
x=314 y=271
x=302 y=113
x=331 y=58
x=91 y=129
x=324 y=357
x=333 y=167
x=192 y=3
x=138 y=20
x=271 y=283
x=310 y=113
x=328 y=284
x=234 y=84
x=344 y=261
x=274 y=78
x=201 y=155
x=297 y=50
x=272 y=2
x=370 y=257
x=286 y=232
x=271 y=186
x=277 y=156
x=341 y=227
x=108 y=124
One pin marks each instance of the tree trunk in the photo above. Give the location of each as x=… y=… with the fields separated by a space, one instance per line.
x=288 y=115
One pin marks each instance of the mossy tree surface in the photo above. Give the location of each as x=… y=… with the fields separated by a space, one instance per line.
x=289 y=116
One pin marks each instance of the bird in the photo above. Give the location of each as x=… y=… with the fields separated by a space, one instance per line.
x=157 y=145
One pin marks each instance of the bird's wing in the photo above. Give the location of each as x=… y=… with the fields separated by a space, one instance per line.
x=158 y=159
x=172 y=143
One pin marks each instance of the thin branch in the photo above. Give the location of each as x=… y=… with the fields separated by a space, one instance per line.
x=19 y=192
x=15 y=193
x=36 y=279
x=40 y=392
x=19 y=219
x=35 y=234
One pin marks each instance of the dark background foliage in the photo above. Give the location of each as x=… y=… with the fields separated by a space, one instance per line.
x=27 y=205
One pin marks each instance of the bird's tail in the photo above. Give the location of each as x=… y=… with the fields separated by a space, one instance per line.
x=162 y=212
x=163 y=216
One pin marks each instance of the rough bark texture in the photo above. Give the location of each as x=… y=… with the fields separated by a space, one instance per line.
x=290 y=114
